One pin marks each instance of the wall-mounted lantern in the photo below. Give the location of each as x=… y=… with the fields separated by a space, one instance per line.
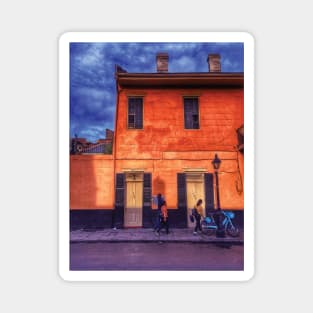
x=216 y=165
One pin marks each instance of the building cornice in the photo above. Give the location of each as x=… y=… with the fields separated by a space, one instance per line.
x=180 y=79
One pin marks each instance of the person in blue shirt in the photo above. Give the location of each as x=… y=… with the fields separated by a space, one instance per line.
x=160 y=201
x=163 y=219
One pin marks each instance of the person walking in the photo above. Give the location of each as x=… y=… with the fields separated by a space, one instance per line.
x=197 y=212
x=160 y=200
x=163 y=219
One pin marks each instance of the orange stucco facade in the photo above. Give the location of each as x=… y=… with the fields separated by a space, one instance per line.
x=163 y=148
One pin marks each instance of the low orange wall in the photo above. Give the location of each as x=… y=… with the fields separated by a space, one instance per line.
x=91 y=182
x=92 y=179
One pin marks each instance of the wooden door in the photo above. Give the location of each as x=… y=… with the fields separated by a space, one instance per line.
x=195 y=191
x=134 y=196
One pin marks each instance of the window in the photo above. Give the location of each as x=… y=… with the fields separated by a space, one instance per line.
x=135 y=120
x=191 y=113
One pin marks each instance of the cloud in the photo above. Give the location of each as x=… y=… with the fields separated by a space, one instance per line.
x=183 y=64
x=92 y=83
x=229 y=66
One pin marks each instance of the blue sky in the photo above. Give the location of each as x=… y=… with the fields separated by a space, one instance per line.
x=92 y=83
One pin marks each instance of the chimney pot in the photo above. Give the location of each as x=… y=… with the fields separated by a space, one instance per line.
x=214 y=63
x=162 y=62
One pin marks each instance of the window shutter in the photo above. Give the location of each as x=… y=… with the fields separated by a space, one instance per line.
x=181 y=191
x=119 y=188
x=119 y=200
x=209 y=192
x=135 y=112
x=191 y=113
x=147 y=190
x=147 y=216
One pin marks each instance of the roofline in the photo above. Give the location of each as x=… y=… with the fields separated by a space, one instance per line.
x=223 y=79
x=179 y=74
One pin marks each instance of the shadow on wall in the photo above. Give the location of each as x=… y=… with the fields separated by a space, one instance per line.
x=158 y=186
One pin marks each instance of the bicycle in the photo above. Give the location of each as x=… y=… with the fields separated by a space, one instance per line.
x=209 y=225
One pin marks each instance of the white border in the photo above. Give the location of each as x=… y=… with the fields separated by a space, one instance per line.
x=64 y=237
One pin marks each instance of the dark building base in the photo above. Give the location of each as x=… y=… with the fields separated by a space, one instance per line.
x=91 y=219
x=99 y=219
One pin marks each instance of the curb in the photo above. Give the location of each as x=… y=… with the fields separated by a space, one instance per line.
x=176 y=236
x=222 y=240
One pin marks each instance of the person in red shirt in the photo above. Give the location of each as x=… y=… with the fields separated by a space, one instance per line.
x=163 y=219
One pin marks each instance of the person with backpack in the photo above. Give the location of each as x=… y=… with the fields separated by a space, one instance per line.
x=197 y=213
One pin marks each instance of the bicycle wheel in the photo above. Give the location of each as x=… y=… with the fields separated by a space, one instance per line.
x=232 y=231
x=206 y=229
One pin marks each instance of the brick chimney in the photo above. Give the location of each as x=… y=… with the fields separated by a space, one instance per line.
x=214 y=63
x=162 y=62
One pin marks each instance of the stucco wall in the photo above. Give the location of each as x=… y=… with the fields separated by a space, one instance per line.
x=91 y=182
x=221 y=113
x=164 y=148
x=164 y=176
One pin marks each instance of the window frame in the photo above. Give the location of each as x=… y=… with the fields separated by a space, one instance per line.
x=129 y=97
x=198 y=103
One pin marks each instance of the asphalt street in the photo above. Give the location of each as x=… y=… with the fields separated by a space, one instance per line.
x=156 y=256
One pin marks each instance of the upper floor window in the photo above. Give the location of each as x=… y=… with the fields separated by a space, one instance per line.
x=191 y=113
x=135 y=113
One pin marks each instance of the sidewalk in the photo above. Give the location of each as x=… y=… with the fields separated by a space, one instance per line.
x=148 y=235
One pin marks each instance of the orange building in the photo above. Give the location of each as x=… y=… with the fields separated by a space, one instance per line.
x=169 y=127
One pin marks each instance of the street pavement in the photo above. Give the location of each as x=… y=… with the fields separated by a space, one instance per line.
x=165 y=256
x=179 y=235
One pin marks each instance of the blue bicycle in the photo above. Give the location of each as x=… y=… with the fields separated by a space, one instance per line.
x=209 y=226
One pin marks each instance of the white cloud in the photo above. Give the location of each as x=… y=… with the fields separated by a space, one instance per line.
x=229 y=66
x=90 y=57
x=183 y=64
x=94 y=93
